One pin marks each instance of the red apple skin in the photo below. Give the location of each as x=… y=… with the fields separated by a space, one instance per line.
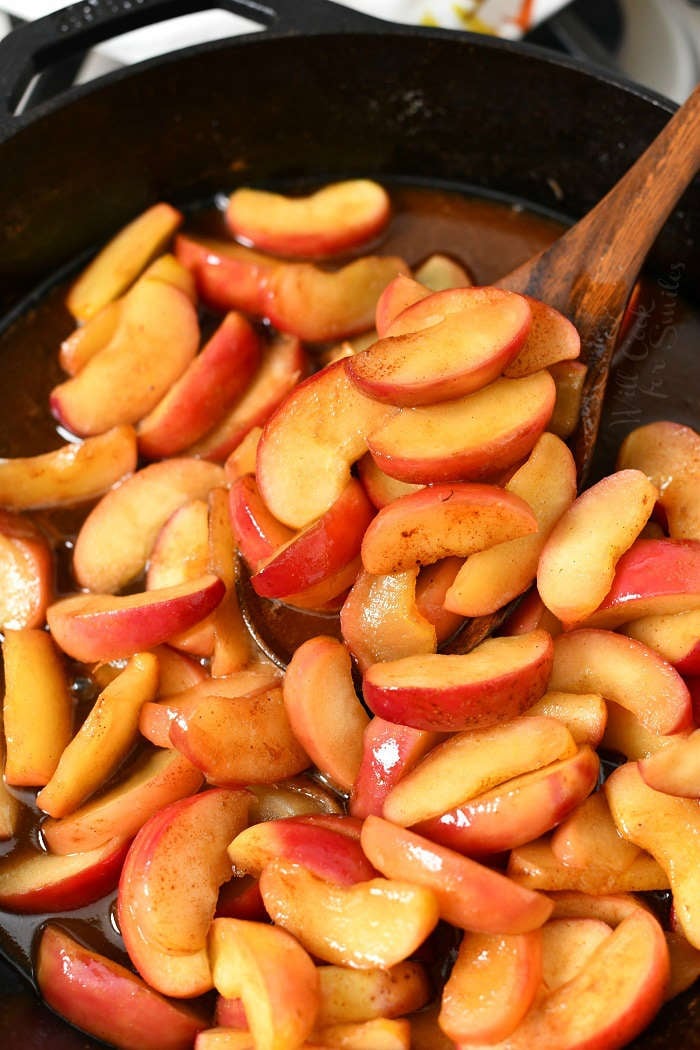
x=466 y=699
x=199 y=399
x=552 y=338
x=653 y=577
x=228 y=276
x=108 y=1001
x=388 y=751
x=518 y=811
x=320 y=550
x=33 y=883
x=399 y=294
x=326 y=852
x=257 y=531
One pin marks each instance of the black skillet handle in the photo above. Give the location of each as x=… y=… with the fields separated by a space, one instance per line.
x=38 y=45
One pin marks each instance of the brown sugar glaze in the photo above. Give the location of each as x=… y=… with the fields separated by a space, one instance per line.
x=489 y=238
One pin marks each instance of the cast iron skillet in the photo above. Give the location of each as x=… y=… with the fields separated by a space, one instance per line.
x=322 y=92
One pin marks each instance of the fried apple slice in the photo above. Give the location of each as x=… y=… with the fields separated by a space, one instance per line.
x=26 y=573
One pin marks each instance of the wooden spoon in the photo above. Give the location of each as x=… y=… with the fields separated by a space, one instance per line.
x=588 y=275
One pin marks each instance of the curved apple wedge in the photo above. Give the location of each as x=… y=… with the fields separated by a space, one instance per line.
x=274 y=977
x=108 y=1001
x=389 y=751
x=26 y=573
x=378 y=923
x=400 y=293
x=443 y=520
x=169 y=888
x=92 y=627
x=330 y=733
x=81 y=470
x=674 y=636
x=32 y=882
x=339 y=216
x=446 y=346
x=669 y=454
x=473 y=437
x=567 y=945
x=353 y=996
x=117 y=537
x=676 y=769
x=535 y=865
x=496 y=681
x=624 y=671
x=552 y=338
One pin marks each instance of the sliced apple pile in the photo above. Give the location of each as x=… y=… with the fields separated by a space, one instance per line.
x=373 y=460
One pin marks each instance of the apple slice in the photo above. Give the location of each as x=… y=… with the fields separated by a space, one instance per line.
x=534 y=865
x=379 y=1034
x=331 y=734
x=325 y=851
x=440 y=272
x=233 y=647
x=469 y=895
x=317 y=433
x=473 y=437
x=241 y=460
x=461 y=340
x=491 y=986
x=568 y=379
x=103 y=740
x=626 y=735
x=400 y=293
x=567 y=946
x=92 y=627
x=674 y=636
x=37 y=707
x=352 y=996
x=320 y=550
x=654 y=577
x=381 y=488
x=117 y=537
x=517 y=811
x=89 y=338
x=122 y=260
x=496 y=681
x=319 y=306
x=155 y=340
x=300 y=796
x=388 y=752
x=666 y=826
x=469 y=763
x=440 y=521
x=669 y=454
x=33 y=883
x=155 y=780
x=10 y=805
x=244 y=740
x=275 y=978
x=169 y=269
x=228 y=276
x=552 y=338
x=585 y=715
x=577 y=565
x=78 y=471
x=26 y=573
x=610 y=908
x=331 y=220
x=685 y=964
x=108 y=1001
x=257 y=532
x=492 y=578
x=434 y=581
x=200 y=398
x=376 y=923
x=589 y=838
x=624 y=671
x=675 y=769
x=169 y=887
x=529 y=614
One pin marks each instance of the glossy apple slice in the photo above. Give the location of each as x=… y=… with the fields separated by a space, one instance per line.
x=34 y=883
x=319 y=306
x=376 y=923
x=228 y=276
x=320 y=550
x=589 y=838
x=121 y=260
x=388 y=752
x=577 y=565
x=449 y=345
x=674 y=636
x=517 y=811
x=400 y=293
x=257 y=532
x=331 y=734
x=92 y=627
x=496 y=681
x=78 y=471
x=469 y=763
x=567 y=945
x=626 y=735
x=676 y=769
x=103 y=740
x=585 y=715
x=654 y=577
x=470 y=438
x=667 y=827
x=169 y=269
x=318 y=432
x=551 y=338
x=233 y=648
x=101 y=997
x=535 y=866
x=352 y=996
x=89 y=338
x=568 y=379
x=380 y=488
x=200 y=398
x=26 y=573
x=10 y=805
x=669 y=454
x=169 y=887
x=624 y=671
x=685 y=964
x=440 y=521
x=440 y=272
x=379 y=1034
x=117 y=537
x=469 y=895
x=155 y=780
x=328 y=221
x=241 y=460
x=244 y=740
x=155 y=340
x=491 y=986
x=492 y=578
x=37 y=707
